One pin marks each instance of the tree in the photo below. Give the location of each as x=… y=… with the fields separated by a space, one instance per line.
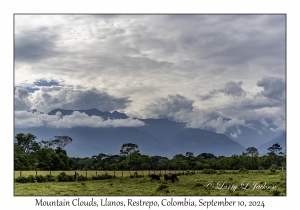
x=62 y=141
x=252 y=151
x=25 y=141
x=190 y=159
x=274 y=149
x=127 y=149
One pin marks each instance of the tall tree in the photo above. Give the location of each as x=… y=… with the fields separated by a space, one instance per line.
x=25 y=141
x=62 y=141
x=253 y=152
x=274 y=150
x=127 y=149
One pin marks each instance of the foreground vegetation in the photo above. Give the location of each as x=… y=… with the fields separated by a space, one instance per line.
x=218 y=183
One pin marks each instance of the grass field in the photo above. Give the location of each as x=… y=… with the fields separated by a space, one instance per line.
x=226 y=184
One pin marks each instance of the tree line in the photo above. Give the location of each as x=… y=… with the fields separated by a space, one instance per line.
x=50 y=155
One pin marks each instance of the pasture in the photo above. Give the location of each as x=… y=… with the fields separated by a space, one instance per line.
x=229 y=183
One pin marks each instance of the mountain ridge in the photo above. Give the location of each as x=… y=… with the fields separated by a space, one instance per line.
x=157 y=137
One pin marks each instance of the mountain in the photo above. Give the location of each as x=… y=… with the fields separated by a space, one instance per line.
x=281 y=140
x=162 y=137
x=199 y=141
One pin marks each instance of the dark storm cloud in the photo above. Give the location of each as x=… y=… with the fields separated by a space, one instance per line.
x=34 y=45
x=274 y=87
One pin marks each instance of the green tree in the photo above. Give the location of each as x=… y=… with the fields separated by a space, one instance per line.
x=25 y=141
x=127 y=149
x=61 y=141
x=274 y=150
x=190 y=160
x=253 y=152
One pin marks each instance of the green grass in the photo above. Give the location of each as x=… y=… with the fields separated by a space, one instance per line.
x=193 y=185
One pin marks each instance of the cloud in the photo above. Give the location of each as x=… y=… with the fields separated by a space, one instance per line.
x=169 y=105
x=32 y=46
x=274 y=87
x=24 y=119
x=49 y=98
x=193 y=68
x=233 y=89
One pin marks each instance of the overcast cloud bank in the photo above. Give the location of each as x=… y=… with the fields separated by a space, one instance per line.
x=209 y=71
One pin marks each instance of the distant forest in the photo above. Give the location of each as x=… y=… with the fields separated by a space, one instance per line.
x=50 y=155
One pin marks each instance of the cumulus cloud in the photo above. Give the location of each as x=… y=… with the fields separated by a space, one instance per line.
x=170 y=105
x=274 y=87
x=25 y=119
x=49 y=98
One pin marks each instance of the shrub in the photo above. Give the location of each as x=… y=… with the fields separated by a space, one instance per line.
x=40 y=178
x=273 y=168
x=162 y=186
x=102 y=176
x=82 y=178
x=198 y=185
x=31 y=179
x=206 y=166
x=63 y=177
x=221 y=172
x=243 y=171
x=275 y=192
x=209 y=171
x=21 y=179
x=51 y=178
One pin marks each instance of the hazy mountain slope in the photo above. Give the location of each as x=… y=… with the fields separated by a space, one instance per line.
x=281 y=140
x=200 y=141
x=157 y=137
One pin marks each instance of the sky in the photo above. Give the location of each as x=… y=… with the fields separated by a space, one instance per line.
x=197 y=69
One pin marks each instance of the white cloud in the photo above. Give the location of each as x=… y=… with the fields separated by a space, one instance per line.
x=194 y=68
x=49 y=98
x=24 y=119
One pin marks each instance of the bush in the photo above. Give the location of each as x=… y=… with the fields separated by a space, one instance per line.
x=21 y=179
x=102 y=176
x=40 y=178
x=198 y=185
x=275 y=192
x=206 y=166
x=31 y=178
x=82 y=178
x=63 y=177
x=243 y=171
x=273 y=169
x=162 y=186
x=51 y=178
x=221 y=172
x=209 y=171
